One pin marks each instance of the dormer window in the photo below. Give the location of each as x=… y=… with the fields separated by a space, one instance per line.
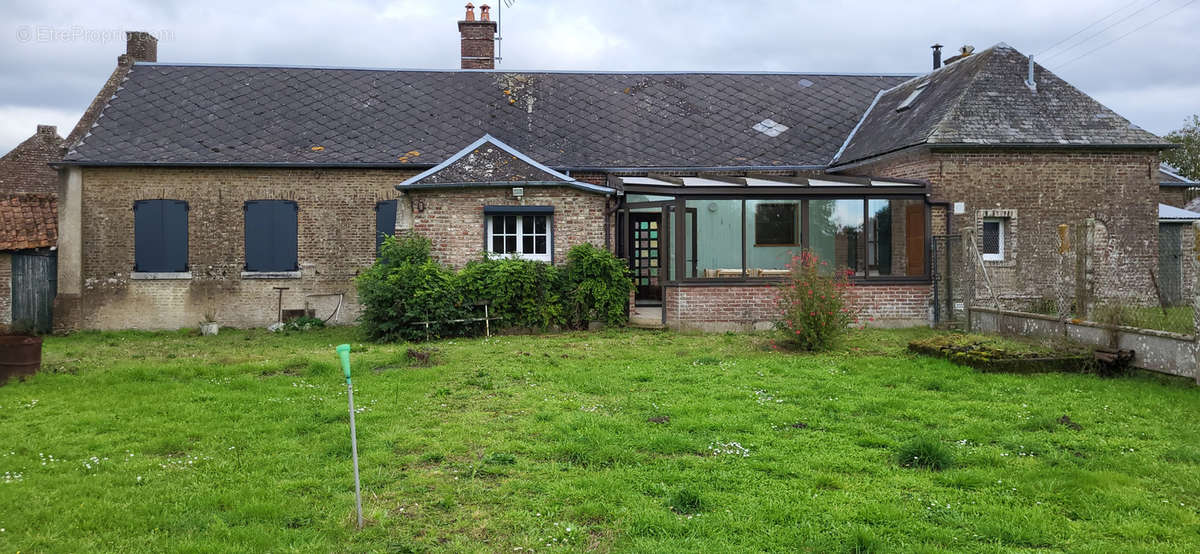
x=912 y=97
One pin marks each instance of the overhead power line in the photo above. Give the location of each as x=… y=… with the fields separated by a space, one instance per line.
x=1136 y=29
x=1093 y=24
x=1101 y=31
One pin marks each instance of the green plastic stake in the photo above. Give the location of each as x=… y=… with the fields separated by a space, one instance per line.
x=343 y=351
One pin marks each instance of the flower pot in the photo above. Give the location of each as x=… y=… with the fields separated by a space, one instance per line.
x=20 y=356
x=209 y=329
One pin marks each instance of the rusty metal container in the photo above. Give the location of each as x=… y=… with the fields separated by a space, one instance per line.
x=20 y=356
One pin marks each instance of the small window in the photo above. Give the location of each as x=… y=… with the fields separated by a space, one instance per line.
x=523 y=235
x=776 y=225
x=992 y=243
x=385 y=222
x=160 y=236
x=271 y=235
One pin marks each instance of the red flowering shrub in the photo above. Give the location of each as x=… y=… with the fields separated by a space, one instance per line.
x=816 y=306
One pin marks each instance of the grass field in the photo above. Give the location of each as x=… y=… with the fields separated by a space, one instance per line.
x=613 y=441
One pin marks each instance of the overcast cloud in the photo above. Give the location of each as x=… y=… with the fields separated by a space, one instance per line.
x=56 y=55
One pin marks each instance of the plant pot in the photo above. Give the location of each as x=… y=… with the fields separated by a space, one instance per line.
x=20 y=356
x=209 y=329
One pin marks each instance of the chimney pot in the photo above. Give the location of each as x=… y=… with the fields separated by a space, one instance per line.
x=484 y=14
x=937 y=55
x=140 y=46
x=470 y=12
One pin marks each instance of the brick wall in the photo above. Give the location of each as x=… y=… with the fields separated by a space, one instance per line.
x=336 y=226
x=1173 y=196
x=1042 y=189
x=453 y=219
x=5 y=290
x=741 y=307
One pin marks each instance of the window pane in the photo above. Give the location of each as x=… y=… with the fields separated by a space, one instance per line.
x=540 y=245
x=527 y=244
x=510 y=244
x=718 y=238
x=835 y=233
x=772 y=236
x=541 y=224
x=991 y=237
x=497 y=245
x=896 y=237
x=527 y=224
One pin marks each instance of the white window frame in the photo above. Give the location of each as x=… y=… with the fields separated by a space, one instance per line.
x=548 y=256
x=1002 y=224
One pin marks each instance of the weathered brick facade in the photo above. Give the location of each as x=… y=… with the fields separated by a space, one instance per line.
x=453 y=219
x=744 y=307
x=336 y=227
x=1037 y=190
x=1173 y=196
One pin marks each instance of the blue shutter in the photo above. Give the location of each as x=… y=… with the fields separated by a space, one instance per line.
x=258 y=235
x=286 y=241
x=175 y=235
x=385 y=222
x=271 y=239
x=160 y=236
x=149 y=248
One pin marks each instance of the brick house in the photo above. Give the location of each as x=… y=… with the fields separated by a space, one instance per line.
x=236 y=191
x=28 y=229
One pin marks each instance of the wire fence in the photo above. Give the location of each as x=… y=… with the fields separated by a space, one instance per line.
x=1089 y=283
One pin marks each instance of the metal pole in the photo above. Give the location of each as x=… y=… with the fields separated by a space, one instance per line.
x=343 y=351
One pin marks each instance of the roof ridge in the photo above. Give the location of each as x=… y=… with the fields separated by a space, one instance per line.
x=504 y=71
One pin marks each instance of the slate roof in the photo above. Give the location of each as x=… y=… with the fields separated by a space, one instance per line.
x=983 y=100
x=1169 y=177
x=490 y=162
x=28 y=221
x=213 y=114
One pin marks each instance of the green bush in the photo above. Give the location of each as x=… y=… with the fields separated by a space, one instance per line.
x=524 y=293
x=405 y=287
x=597 y=287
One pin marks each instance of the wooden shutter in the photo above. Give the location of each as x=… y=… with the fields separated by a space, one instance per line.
x=160 y=236
x=271 y=241
x=385 y=222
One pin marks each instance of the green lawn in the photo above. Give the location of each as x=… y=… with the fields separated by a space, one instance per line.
x=614 y=441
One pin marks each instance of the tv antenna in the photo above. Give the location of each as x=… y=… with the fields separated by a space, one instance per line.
x=499 y=27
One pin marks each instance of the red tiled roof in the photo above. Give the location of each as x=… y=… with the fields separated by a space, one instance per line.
x=28 y=221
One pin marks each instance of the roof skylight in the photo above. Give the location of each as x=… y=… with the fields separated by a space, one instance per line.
x=770 y=127
x=912 y=97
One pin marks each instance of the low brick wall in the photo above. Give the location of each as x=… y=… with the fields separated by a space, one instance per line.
x=738 y=307
x=1170 y=353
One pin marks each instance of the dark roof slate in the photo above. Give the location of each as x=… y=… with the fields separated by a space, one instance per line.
x=490 y=162
x=983 y=100
x=207 y=114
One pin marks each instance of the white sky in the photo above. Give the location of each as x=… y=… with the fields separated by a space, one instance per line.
x=55 y=55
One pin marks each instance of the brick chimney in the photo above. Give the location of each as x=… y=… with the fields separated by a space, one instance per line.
x=140 y=46
x=47 y=131
x=478 y=39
